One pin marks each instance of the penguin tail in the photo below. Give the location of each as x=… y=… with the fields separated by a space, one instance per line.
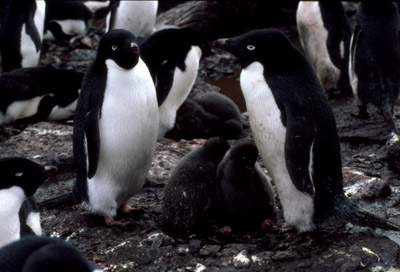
x=360 y=217
x=64 y=200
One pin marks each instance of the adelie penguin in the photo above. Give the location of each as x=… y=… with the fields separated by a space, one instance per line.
x=21 y=34
x=295 y=131
x=115 y=128
x=173 y=57
x=31 y=95
x=65 y=19
x=139 y=17
x=188 y=193
x=210 y=114
x=18 y=212
x=244 y=199
x=43 y=254
x=374 y=64
x=325 y=33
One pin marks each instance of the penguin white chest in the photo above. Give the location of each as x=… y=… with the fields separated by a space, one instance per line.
x=183 y=82
x=269 y=134
x=128 y=133
x=11 y=200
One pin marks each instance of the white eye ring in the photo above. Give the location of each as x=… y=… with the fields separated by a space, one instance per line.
x=114 y=47
x=251 y=47
x=19 y=174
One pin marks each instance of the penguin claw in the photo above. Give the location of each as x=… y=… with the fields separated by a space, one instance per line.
x=126 y=208
x=110 y=222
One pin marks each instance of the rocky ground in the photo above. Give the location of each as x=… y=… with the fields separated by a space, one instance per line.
x=143 y=246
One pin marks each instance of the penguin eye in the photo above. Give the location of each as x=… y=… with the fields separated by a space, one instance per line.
x=251 y=47
x=114 y=47
x=19 y=174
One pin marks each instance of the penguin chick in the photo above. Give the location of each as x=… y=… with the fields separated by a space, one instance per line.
x=173 y=56
x=20 y=180
x=43 y=254
x=243 y=193
x=295 y=131
x=375 y=59
x=188 y=193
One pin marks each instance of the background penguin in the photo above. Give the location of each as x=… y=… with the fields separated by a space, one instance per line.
x=21 y=34
x=30 y=95
x=139 y=17
x=44 y=254
x=210 y=114
x=295 y=131
x=375 y=58
x=20 y=179
x=243 y=193
x=188 y=193
x=65 y=18
x=173 y=57
x=325 y=33
x=115 y=126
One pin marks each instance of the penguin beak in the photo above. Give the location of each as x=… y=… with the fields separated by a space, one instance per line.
x=50 y=170
x=134 y=47
x=226 y=45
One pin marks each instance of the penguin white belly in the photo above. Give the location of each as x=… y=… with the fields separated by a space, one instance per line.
x=182 y=85
x=33 y=221
x=62 y=113
x=69 y=27
x=269 y=135
x=139 y=17
x=309 y=20
x=11 y=200
x=21 y=109
x=128 y=134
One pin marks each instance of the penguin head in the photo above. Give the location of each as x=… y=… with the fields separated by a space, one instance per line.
x=120 y=46
x=244 y=153
x=215 y=148
x=23 y=173
x=264 y=45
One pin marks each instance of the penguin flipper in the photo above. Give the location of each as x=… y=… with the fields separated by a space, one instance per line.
x=163 y=83
x=91 y=129
x=300 y=136
x=353 y=47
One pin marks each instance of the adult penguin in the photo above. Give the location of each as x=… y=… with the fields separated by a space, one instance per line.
x=295 y=131
x=173 y=57
x=139 y=17
x=375 y=58
x=43 y=254
x=188 y=193
x=244 y=197
x=325 y=34
x=31 y=95
x=115 y=126
x=20 y=180
x=65 y=19
x=21 y=34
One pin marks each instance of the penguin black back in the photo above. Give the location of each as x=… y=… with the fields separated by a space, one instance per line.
x=45 y=254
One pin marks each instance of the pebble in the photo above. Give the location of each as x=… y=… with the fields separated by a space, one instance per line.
x=209 y=250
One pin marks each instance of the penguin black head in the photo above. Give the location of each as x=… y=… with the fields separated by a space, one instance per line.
x=244 y=152
x=120 y=46
x=23 y=173
x=262 y=45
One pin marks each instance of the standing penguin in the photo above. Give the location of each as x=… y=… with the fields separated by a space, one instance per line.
x=30 y=95
x=243 y=193
x=115 y=126
x=325 y=33
x=295 y=131
x=21 y=34
x=43 y=254
x=375 y=58
x=188 y=193
x=20 y=180
x=65 y=18
x=173 y=56
x=139 y=17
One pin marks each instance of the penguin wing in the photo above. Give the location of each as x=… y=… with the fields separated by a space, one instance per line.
x=353 y=47
x=300 y=136
x=163 y=82
x=91 y=129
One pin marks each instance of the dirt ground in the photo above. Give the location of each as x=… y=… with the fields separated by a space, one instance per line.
x=143 y=246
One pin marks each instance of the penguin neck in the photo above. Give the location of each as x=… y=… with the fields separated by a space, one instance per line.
x=183 y=82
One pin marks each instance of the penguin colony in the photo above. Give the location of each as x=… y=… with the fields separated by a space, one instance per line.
x=134 y=93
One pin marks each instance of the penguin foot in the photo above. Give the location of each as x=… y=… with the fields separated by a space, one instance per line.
x=360 y=115
x=225 y=230
x=265 y=224
x=111 y=222
x=127 y=209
